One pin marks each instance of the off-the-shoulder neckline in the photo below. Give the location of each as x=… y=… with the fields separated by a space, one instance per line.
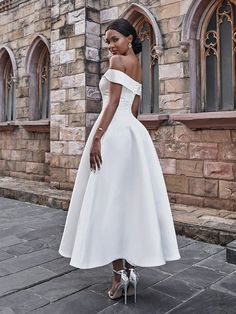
x=124 y=74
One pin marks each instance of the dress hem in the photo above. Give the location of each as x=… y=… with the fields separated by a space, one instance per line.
x=160 y=263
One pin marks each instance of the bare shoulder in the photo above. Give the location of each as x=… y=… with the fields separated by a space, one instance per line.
x=116 y=63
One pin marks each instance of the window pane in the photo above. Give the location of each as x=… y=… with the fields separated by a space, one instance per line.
x=227 y=96
x=146 y=73
x=211 y=82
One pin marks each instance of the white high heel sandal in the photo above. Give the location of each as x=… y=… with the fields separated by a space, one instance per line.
x=122 y=286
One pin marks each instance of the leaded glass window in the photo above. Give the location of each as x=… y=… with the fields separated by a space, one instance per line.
x=218 y=48
x=149 y=62
x=43 y=85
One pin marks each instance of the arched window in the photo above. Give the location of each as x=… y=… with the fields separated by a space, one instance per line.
x=38 y=62
x=218 y=48
x=209 y=30
x=7 y=85
x=152 y=48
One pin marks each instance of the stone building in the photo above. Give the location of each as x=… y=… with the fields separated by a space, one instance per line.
x=52 y=55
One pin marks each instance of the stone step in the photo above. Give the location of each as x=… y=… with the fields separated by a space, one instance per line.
x=231 y=252
x=200 y=223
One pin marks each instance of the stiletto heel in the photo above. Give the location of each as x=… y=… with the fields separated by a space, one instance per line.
x=133 y=280
x=123 y=285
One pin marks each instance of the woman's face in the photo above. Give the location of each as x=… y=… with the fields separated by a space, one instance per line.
x=117 y=43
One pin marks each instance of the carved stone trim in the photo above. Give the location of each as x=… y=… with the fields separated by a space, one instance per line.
x=207 y=120
x=132 y=14
x=39 y=126
x=7 y=126
x=152 y=121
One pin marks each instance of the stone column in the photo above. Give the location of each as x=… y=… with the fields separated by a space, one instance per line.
x=74 y=92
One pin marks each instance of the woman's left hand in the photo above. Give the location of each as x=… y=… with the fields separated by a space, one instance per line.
x=95 y=154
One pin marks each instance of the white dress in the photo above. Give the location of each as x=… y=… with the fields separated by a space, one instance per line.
x=121 y=210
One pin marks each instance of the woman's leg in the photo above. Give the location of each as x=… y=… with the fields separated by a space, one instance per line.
x=117 y=265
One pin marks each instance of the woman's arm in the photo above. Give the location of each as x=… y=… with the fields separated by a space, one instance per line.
x=113 y=102
x=135 y=106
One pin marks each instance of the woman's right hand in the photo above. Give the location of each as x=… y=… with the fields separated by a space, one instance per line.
x=95 y=155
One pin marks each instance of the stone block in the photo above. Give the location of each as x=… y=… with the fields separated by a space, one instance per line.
x=93 y=28
x=93 y=106
x=203 y=187
x=189 y=199
x=77 y=120
x=227 y=190
x=178 y=184
x=76 y=16
x=76 y=93
x=233 y=135
x=69 y=107
x=76 y=67
x=15 y=155
x=172 y=40
x=92 y=54
x=77 y=80
x=176 y=150
x=184 y=134
x=73 y=148
x=190 y=168
x=80 y=28
x=164 y=133
x=90 y=119
x=93 y=41
x=220 y=170
x=79 y=4
x=76 y=42
x=174 y=24
x=173 y=101
x=93 y=15
x=108 y=14
x=58 y=45
x=72 y=134
x=176 y=86
x=168 y=166
x=58 y=95
x=57 y=147
x=93 y=92
x=20 y=166
x=169 y=71
x=72 y=175
x=58 y=174
x=34 y=168
x=66 y=31
x=203 y=151
x=67 y=56
x=68 y=161
x=216 y=136
x=227 y=151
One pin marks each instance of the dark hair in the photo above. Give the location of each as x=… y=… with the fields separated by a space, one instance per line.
x=125 y=28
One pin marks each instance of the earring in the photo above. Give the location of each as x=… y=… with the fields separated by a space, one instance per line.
x=129 y=45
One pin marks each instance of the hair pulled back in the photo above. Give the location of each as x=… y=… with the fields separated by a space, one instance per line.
x=125 y=28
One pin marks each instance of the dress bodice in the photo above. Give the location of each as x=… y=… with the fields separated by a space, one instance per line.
x=130 y=87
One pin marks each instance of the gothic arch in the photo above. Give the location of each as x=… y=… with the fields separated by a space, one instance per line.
x=190 y=40
x=8 y=76
x=134 y=13
x=38 y=51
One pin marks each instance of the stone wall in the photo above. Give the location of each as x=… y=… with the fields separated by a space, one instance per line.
x=23 y=153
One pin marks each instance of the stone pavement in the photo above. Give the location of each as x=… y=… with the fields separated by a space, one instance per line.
x=34 y=278
x=201 y=223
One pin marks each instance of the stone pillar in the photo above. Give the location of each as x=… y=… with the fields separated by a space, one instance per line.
x=74 y=78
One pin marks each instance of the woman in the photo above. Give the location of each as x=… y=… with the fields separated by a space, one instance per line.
x=119 y=210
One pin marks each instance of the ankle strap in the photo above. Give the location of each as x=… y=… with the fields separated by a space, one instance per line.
x=119 y=272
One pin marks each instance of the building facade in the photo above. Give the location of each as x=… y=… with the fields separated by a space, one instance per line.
x=52 y=56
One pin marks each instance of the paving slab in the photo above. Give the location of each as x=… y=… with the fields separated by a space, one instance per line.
x=36 y=279
x=208 y=302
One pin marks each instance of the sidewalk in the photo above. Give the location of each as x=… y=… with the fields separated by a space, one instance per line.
x=34 y=278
